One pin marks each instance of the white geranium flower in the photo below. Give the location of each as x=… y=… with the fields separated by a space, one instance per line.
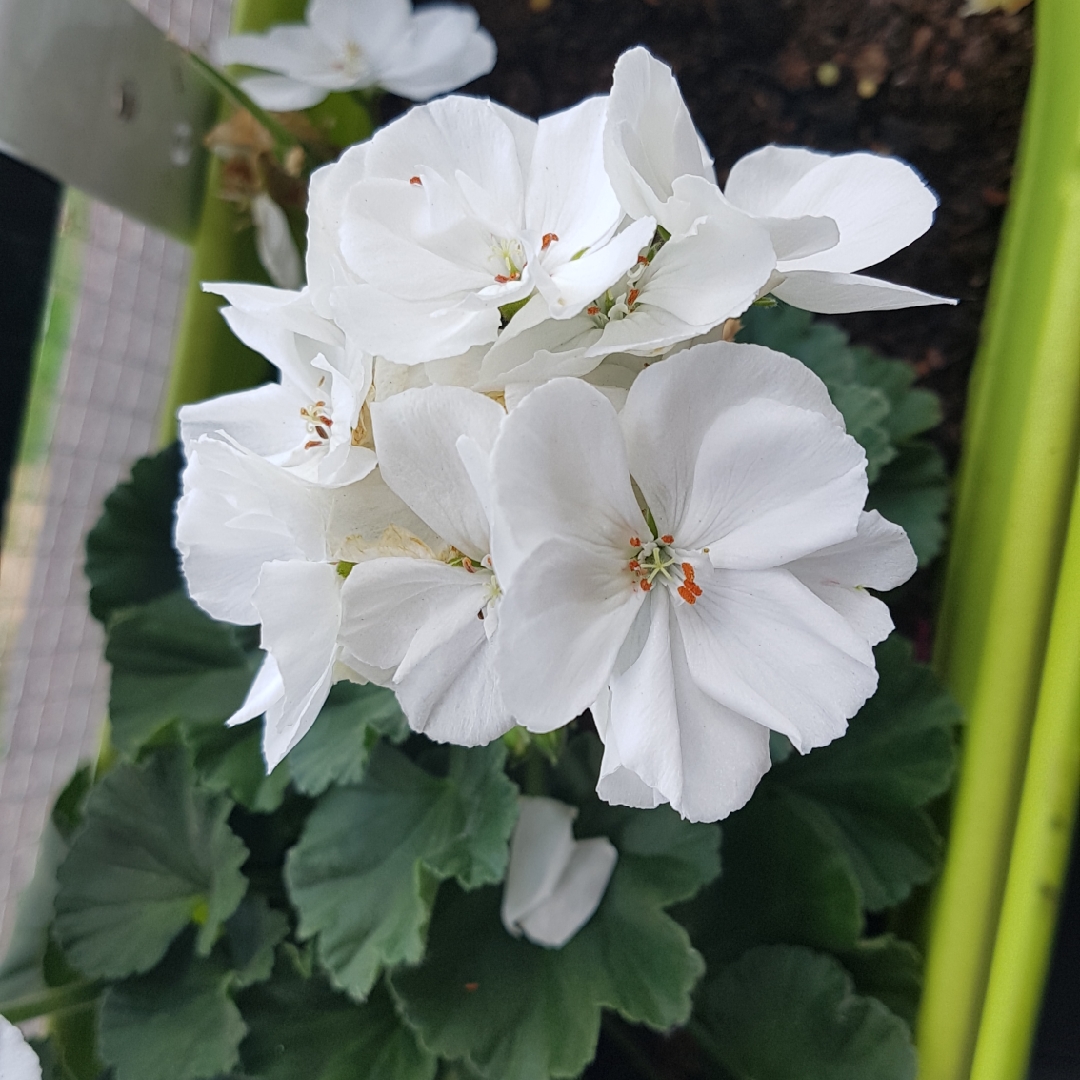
x=827 y=216
x=428 y=614
x=259 y=545
x=875 y=205
x=463 y=208
x=355 y=44
x=695 y=627
x=554 y=883
x=274 y=243
x=311 y=423
x=17 y=1060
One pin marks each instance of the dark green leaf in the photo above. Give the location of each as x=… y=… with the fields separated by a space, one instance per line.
x=336 y=749
x=913 y=491
x=300 y=1028
x=129 y=553
x=890 y=970
x=786 y=1013
x=172 y=662
x=153 y=855
x=782 y=883
x=513 y=1009
x=230 y=761
x=177 y=1022
x=366 y=869
x=253 y=933
x=863 y=793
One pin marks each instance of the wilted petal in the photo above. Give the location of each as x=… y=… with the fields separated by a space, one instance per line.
x=274 y=243
x=554 y=884
x=834 y=294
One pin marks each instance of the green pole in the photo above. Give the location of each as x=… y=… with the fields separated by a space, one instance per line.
x=1015 y=485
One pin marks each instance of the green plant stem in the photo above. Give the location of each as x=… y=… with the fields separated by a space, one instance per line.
x=55 y=1000
x=1012 y=506
x=1040 y=854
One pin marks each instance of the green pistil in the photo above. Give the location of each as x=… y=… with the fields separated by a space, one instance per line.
x=344 y=568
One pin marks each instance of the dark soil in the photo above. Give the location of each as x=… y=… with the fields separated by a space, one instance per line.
x=915 y=79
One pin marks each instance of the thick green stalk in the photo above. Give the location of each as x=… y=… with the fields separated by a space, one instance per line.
x=1040 y=854
x=1013 y=498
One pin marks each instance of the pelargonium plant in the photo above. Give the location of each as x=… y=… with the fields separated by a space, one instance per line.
x=560 y=530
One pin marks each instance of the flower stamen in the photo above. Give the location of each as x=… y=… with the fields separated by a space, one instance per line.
x=549 y=239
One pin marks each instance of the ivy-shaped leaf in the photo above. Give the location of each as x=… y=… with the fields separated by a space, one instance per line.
x=336 y=748
x=365 y=872
x=783 y=1012
x=509 y=1008
x=178 y=1022
x=863 y=793
x=129 y=553
x=172 y=662
x=153 y=855
x=300 y=1027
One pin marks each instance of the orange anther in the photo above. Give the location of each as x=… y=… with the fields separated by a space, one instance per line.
x=467 y=563
x=694 y=588
x=635 y=541
x=631 y=297
x=687 y=595
x=592 y=310
x=642 y=260
x=502 y=279
x=667 y=539
x=549 y=239
x=416 y=181
x=635 y=565
x=327 y=421
x=309 y=445
x=646 y=586
x=688 y=571
x=321 y=432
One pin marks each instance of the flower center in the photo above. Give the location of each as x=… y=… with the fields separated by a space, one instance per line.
x=509 y=259
x=656 y=559
x=351 y=60
x=453 y=557
x=613 y=307
x=318 y=424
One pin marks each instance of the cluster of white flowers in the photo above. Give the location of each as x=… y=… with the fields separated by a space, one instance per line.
x=513 y=471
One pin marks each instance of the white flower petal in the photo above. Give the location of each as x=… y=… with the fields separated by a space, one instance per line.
x=672 y=405
x=771 y=483
x=274 y=243
x=561 y=626
x=416 y=436
x=880 y=556
x=835 y=294
x=452 y=694
x=559 y=471
x=17 y=1060
x=446 y=48
x=649 y=139
x=762 y=644
x=279 y=93
x=299 y=605
x=759 y=181
x=796 y=238
x=554 y=884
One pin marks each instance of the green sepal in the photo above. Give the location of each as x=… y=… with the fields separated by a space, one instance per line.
x=364 y=875
x=784 y=1012
x=152 y=856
